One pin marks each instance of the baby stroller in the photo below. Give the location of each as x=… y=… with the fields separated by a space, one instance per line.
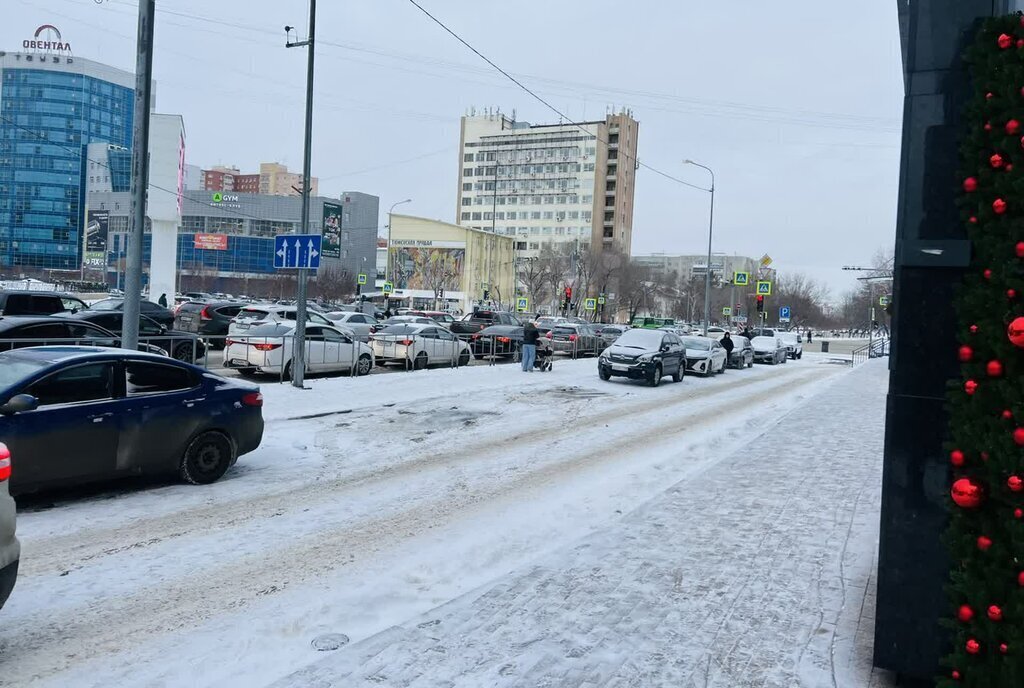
x=544 y=355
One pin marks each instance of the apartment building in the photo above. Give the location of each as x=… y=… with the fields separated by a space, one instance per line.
x=273 y=179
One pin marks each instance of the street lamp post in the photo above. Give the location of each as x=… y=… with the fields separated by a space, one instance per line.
x=388 y=272
x=711 y=228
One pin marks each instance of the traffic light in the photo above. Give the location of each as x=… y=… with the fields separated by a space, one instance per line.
x=760 y=303
x=568 y=293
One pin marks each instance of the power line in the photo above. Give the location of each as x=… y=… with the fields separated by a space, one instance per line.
x=551 y=107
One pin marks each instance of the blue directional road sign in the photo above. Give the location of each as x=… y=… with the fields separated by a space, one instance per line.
x=294 y=251
x=784 y=313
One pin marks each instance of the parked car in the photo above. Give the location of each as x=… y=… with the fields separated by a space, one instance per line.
x=551 y=320
x=183 y=346
x=18 y=332
x=474 y=322
x=154 y=310
x=418 y=345
x=769 y=350
x=742 y=355
x=642 y=354
x=255 y=315
x=73 y=415
x=578 y=339
x=10 y=548
x=208 y=318
x=716 y=332
x=704 y=355
x=360 y=323
x=269 y=349
x=16 y=302
x=794 y=344
x=440 y=317
x=500 y=341
x=609 y=333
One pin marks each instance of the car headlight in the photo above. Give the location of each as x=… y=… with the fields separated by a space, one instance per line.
x=646 y=358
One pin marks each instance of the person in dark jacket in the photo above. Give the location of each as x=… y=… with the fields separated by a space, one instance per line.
x=747 y=333
x=728 y=345
x=162 y=300
x=530 y=336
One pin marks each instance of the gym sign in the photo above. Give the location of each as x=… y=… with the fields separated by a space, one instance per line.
x=47 y=37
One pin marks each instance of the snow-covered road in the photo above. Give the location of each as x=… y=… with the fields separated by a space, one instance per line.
x=371 y=500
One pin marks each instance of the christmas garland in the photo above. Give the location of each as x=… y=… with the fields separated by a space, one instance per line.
x=986 y=450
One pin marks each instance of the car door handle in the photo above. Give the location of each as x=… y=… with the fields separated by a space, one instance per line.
x=98 y=418
x=192 y=402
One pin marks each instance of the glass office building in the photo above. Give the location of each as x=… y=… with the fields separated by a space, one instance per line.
x=51 y=108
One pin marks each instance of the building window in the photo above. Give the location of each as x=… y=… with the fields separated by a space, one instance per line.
x=588 y=199
x=511 y=215
x=535 y=215
x=476 y=216
x=467 y=200
x=534 y=230
x=488 y=216
x=534 y=246
x=609 y=232
x=465 y=216
x=468 y=186
x=549 y=215
x=500 y=216
x=468 y=157
x=587 y=215
x=467 y=171
x=609 y=186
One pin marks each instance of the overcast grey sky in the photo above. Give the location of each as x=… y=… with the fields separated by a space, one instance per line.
x=796 y=104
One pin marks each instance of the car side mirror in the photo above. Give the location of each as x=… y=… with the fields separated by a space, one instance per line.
x=19 y=403
x=666 y=347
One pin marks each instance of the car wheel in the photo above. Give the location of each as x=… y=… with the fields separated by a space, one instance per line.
x=183 y=353
x=464 y=358
x=421 y=361
x=604 y=373
x=678 y=375
x=364 y=365
x=207 y=458
x=655 y=377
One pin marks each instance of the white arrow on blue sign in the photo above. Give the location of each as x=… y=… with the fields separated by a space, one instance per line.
x=294 y=251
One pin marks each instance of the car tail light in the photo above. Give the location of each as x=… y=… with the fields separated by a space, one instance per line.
x=504 y=340
x=205 y=314
x=253 y=399
x=266 y=347
x=229 y=342
x=476 y=336
x=406 y=342
x=572 y=338
x=5 y=462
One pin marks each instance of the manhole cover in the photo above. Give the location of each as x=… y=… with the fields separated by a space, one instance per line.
x=329 y=641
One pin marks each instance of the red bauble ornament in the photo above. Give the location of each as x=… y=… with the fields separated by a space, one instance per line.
x=986 y=273
x=989 y=95
x=1015 y=483
x=956 y=457
x=1018 y=436
x=1004 y=648
x=984 y=542
x=996 y=161
x=965 y=353
x=984 y=456
x=955 y=675
x=973 y=220
x=1018 y=513
x=1020 y=42
x=965 y=613
x=972 y=646
x=988 y=126
x=1019 y=249
x=1007 y=414
x=1005 y=40
x=971 y=184
x=994 y=368
x=973 y=329
x=1013 y=127
x=1015 y=332
x=966 y=493
x=970 y=387
x=1009 y=167
x=999 y=206
x=995 y=613
x=1020 y=579
x=1011 y=293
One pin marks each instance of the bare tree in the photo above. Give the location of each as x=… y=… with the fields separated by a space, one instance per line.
x=334 y=283
x=533 y=279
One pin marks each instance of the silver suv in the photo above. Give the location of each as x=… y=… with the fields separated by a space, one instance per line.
x=10 y=550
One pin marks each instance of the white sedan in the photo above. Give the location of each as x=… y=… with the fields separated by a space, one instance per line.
x=416 y=346
x=360 y=323
x=704 y=355
x=269 y=349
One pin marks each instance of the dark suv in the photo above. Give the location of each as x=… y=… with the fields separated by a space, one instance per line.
x=208 y=317
x=641 y=354
x=38 y=303
x=474 y=322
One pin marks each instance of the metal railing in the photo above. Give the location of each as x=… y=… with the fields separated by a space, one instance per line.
x=875 y=349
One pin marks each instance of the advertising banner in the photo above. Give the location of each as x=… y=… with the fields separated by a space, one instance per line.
x=210 y=242
x=431 y=269
x=332 y=231
x=97 y=223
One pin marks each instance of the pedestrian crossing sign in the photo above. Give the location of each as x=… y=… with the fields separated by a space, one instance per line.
x=361 y=279
x=741 y=279
x=727 y=310
x=590 y=304
x=387 y=288
x=522 y=304
x=884 y=301
x=764 y=288
x=600 y=300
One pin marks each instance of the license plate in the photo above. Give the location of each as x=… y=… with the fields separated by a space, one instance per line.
x=241 y=362
x=619 y=366
x=185 y=318
x=243 y=326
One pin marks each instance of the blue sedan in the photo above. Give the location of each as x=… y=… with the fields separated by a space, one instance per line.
x=76 y=414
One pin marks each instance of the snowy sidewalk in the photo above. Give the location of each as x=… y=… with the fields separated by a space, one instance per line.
x=758 y=572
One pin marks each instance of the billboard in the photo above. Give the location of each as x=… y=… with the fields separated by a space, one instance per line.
x=97 y=223
x=210 y=242
x=429 y=269
x=332 y=231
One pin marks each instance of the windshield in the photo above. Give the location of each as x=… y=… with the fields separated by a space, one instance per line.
x=13 y=368
x=788 y=336
x=697 y=343
x=763 y=342
x=251 y=314
x=640 y=339
x=107 y=305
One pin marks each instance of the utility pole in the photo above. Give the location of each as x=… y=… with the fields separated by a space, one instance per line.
x=711 y=229
x=140 y=175
x=299 y=345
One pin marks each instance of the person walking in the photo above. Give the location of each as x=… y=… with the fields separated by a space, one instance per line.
x=810 y=336
x=728 y=345
x=530 y=337
x=162 y=300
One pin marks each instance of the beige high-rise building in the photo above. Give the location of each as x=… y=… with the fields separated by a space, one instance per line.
x=276 y=180
x=549 y=184
x=273 y=179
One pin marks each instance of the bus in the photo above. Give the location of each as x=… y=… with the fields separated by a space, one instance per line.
x=649 y=323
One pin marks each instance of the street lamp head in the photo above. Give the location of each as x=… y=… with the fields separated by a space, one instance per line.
x=288 y=29
x=689 y=162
